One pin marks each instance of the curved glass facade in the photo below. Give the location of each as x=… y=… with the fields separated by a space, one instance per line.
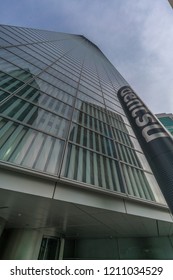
x=60 y=115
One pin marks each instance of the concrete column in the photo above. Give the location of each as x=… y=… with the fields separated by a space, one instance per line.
x=2 y=225
x=61 y=251
x=22 y=244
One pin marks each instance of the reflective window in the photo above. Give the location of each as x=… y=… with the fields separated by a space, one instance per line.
x=116 y=121
x=93 y=110
x=8 y=39
x=137 y=183
x=27 y=113
x=128 y=155
x=10 y=33
x=3 y=95
x=10 y=83
x=55 y=82
x=92 y=140
x=91 y=86
x=62 y=77
x=47 y=102
x=3 y=42
x=36 y=55
x=29 y=148
x=17 y=32
x=8 y=67
x=57 y=87
x=91 y=168
x=111 y=98
x=92 y=123
x=122 y=137
x=15 y=60
x=113 y=106
x=66 y=71
x=49 y=249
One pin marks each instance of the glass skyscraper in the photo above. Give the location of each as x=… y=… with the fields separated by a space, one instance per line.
x=75 y=182
x=166 y=120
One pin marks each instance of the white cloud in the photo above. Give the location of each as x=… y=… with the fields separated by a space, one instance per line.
x=148 y=64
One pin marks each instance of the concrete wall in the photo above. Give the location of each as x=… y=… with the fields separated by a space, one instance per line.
x=21 y=244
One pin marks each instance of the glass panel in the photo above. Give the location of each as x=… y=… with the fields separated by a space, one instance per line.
x=113 y=106
x=35 y=54
x=31 y=93
x=49 y=249
x=91 y=168
x=4 y=43
x=62 y=77
x=122 y=137
x=3 y=95
x=21 y=75
x=111 y=97
x=7 y=67
x=88 y=81
x=91 y=122
x=9 y=83
x=137 y=183
x=17 y=32
x=52 y=82
x=90 y=88
x=35 y=116
x=9 y=33
x=128 y=155
x=7 y=39
x=92 y=140
x=155 y=188
x=21 y=60
x=135 y=143
x=117 y=121
x=94 y=111
x=143 y=161
x=46 y=101
x=29 y=148
x=87 y=95
x=71 y=73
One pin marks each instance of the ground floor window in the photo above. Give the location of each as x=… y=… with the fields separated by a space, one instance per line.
x=49 y=249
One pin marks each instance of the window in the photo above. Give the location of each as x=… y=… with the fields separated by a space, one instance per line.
x=49 y=249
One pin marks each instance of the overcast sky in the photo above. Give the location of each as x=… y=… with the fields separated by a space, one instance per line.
x=135 y=35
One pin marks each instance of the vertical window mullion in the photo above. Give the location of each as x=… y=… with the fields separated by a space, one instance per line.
x=80 y=165
x=145 y=185
x=33 y=150
x=88 y=167
x=115 y=175
x=11 y=143
x=140 y=188
x=133 y=181
x=109 y=174
x=72 y=163
x=95 y=167
x=127 y=179
x=6 y=131
x=102 y=171
x=24 y=146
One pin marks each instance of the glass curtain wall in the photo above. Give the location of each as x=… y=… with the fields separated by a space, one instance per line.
x=60 y=115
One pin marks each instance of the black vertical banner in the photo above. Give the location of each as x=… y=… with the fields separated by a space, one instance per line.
x=155 y=141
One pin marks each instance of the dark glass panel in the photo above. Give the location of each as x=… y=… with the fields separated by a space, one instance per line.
x=49 y=249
